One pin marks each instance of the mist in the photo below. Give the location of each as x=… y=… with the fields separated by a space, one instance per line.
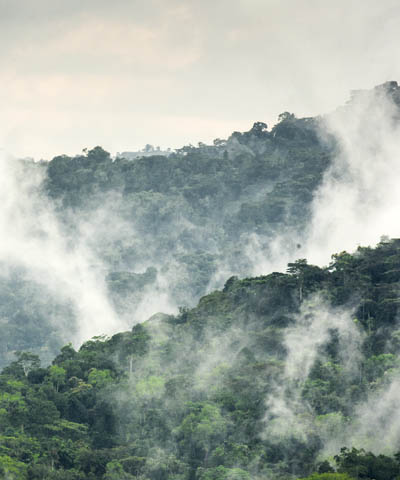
x=223 y=305
x=288 y=413
x=35 y=243
x=359 y=199
x=357 y=202
x=112 y=237
x=111 y=66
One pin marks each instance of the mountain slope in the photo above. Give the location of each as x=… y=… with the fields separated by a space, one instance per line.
x=269 y=377
x=165 y=228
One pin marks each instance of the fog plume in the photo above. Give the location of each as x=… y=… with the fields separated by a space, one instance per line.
x=288 y=413
x=34 y=242
x=359 y=199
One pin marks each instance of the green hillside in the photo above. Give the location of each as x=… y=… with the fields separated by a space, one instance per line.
x=207 y=394
x=196 y=209
x=173 y=227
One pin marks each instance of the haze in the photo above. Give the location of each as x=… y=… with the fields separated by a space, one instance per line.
x=125 y=73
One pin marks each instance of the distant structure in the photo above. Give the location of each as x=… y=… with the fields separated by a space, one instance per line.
x=147 y=151
x=387 y=87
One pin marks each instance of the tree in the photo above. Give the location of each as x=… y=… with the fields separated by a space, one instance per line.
x=99 y=378
x=203 y=427
x=115 y=471
x=11 y=468
x=360 y=464
x=57 y=376
x=307 y=275
x=28 y=361
x=222 y=473
x=259 y=129
x=286 y=116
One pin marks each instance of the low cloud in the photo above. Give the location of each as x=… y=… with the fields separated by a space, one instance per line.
x=35 y=242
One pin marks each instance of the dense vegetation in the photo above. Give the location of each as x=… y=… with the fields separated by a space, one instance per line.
x=190 y=396
x=283 y=376
x=196 y=209
x=176 y=226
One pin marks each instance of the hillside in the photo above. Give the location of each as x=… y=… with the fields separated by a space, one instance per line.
x=152 y=234
x=270 y=377
x=96 y=244
x=195 y=210
x=200 y=240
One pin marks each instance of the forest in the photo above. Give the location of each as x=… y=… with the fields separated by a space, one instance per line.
x=205 y=394
x=160 y=320
x=174 y=227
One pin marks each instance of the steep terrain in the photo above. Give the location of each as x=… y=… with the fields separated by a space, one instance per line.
x=270 y=377
x=282 y=376
x=154 y=233
x=95 y=244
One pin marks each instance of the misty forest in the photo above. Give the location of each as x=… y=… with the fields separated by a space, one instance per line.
x=215 y=312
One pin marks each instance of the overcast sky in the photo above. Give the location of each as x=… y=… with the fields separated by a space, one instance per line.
x=123 y=73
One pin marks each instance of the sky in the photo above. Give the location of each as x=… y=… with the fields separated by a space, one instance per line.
x=121 y=74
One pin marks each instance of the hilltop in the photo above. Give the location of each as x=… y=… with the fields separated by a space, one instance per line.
x=158 y=230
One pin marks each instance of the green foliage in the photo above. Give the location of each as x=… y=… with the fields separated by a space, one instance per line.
x=361 y=464
x=57 y=376
x=11 y=468
x=115 y=471
x=203 y=426
x=329 y=476
x=185 y=397
x=181 y=216
x=99 y=378
x=222 y=473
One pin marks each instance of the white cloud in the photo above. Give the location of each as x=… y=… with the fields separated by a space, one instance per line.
x=34 y=240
